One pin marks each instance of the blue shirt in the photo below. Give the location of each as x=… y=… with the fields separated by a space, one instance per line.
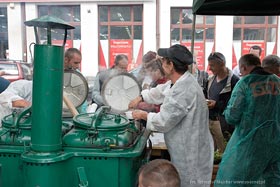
x=4 y=83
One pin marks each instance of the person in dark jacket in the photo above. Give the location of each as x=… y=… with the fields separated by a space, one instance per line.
x=219 y=89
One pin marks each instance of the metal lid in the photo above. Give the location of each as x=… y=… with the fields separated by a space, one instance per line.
x=75 y=88
x=117 y=91
x=101 y=120
x=103 y=130
x=49 y=21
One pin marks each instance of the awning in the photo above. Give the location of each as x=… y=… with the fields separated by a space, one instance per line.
x=236 y=7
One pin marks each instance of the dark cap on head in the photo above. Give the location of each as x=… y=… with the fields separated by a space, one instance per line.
x=178 y=54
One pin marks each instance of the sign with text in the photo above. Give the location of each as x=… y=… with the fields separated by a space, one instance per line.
x=246 y=45
x=118 y=47
x=198 y=53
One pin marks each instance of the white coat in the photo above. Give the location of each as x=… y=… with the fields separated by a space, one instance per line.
x=183 y=118
x=21 y=89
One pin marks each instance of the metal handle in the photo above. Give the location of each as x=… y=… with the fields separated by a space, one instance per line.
x=148 y=152
x=82 y=177
x=98 y=115
x=17 y=118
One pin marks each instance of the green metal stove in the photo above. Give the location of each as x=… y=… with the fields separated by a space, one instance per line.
x=40 y=148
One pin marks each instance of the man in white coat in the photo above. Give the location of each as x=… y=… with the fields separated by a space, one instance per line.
x=17 y=96
x=183 y=117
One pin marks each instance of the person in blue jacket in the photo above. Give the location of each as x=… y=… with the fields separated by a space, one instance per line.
x=4 y=83
x=252 y=156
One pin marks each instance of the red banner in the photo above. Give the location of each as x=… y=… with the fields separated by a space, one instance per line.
x=198 y=53
x=102 y=62
x=246 y=47
x=118 y=47
x=234 y=60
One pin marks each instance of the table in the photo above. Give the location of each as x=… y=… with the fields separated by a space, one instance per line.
x=159 y=149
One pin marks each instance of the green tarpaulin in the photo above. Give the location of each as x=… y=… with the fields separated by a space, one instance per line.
x=236 y=7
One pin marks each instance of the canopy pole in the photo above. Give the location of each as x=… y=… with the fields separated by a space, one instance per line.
x=193 y=32
x=193 y=38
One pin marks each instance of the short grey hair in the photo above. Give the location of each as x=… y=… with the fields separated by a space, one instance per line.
x=250 y=60
x=271 y=61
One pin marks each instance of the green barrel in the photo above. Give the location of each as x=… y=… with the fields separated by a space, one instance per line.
x=42 y=173
x=47 y=98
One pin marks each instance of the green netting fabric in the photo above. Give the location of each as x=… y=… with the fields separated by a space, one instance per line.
x=252 y=156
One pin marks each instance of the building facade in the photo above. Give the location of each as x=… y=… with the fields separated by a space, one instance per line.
x=106 y=28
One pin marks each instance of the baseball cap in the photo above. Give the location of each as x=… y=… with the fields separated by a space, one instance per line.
x=178 y=54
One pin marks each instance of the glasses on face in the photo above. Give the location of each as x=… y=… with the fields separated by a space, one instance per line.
x=216 y=56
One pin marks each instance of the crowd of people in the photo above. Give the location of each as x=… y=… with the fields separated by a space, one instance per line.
x=240 y=111
x=196 y=112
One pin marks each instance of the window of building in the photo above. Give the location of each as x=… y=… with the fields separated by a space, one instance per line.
x=254 y=30
x=120 y=32
x=181 y=32
x=3 y=33
x=68 y=13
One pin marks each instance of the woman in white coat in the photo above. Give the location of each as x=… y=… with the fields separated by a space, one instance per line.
x=183 y=118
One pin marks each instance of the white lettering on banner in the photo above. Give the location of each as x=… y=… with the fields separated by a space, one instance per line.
x=120 y=42
x=120 y=46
